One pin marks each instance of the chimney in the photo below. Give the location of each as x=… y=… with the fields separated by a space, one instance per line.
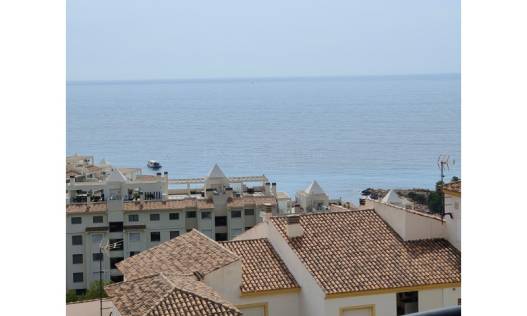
x=294 y=229
x=273 y=188
x=267 y=188
x=267 y=212
x=229 y=192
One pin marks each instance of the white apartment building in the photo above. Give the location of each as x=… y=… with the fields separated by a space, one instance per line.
x=141 y=211
x=385 y=261
x=312 y=199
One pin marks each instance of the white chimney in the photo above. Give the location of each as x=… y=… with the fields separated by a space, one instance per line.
x=267 y=188
x=267 y=212
x=294 y=229
x=273 y=188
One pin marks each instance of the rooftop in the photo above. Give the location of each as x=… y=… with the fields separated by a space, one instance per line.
x=189 y=253
x=454 y=186
x=356 y=251
x=165 y=294
x=263 y=269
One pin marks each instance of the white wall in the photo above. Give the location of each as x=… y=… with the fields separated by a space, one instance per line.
x=453 y=205
x=385 y=304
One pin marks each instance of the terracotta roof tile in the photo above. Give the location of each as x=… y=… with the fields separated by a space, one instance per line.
x=263 y=269
x=353 y=251
x=184 y=254
x=97 y=207
x=168 y=295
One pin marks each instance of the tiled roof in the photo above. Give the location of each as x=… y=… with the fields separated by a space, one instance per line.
x=186 y=254
x=167 y=205
x=251 y=200
x=453 y=186
x=354 y=251
x=263 y=269
x=95 y=207
x=168 y=295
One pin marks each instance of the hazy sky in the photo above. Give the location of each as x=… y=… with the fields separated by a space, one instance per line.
x=170 y=39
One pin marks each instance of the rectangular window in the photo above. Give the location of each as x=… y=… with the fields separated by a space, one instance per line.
x=221 y=236
x=76 y=240
x=133 y=253
x=116 y=278
x=96 y=239
x=220 y=221
x=76 y=220
x=154 y=217
x=98 y=219
x=116 y=244
x=134 y=236
x=191 y=214
x=116 y=227
x=77 y=259
x=205 y=215
x=155 y=236
x=236 y=214
x=407 y=302
x=249 y=212
x=78 y=277
x=174 y=216
x=174 y=234
x=248 y=227
x=133 y=218
x=97 y=256
x=114 y=261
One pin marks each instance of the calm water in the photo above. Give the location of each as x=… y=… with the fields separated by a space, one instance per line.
x=347 y=133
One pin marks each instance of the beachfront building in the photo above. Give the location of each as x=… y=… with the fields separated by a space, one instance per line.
x=344 y=262
x=313 y=198
x=136 y=212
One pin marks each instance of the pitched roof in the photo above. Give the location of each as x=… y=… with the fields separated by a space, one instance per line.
x=116 y=176
x=392 y=198
x=353 y=251
x=263 y=270
x=216 y=172
x=168 y=295
x=185 y=254
x=314 y=188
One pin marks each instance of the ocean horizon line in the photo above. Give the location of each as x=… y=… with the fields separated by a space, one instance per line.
x=259 y=79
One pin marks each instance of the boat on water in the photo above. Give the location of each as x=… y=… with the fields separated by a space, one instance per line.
x=153 y=164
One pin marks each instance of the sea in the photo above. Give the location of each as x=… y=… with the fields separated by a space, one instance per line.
x=348 y=133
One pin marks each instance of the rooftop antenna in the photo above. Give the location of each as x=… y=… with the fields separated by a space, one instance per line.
x=443 y=162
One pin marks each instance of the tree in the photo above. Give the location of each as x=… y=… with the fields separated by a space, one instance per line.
x=94 y=291
x=455 y=178
x=71 y=296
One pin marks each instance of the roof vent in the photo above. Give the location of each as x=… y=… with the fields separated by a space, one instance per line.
x=294 y=229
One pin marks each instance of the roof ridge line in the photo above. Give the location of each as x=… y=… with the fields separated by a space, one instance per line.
x=217 y=243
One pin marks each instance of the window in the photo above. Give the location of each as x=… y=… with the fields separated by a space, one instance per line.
x=116 y=227
x=97 y=256
x=221 y=236
x=191 y=214
x=174 y=234
x=249 y=212
x=114 y=261
x=133 y=253
x=116 y=278
x=76 y=220
x=133 y=218
x=155 y=236
x=407 y=302
x=76 y=240
x=77 y=259
x=134 y=236
x=154 y=217
x=116 y=244
x=96 y=238
x=220 y=221
x=205 y=215
x=78 y=277
x=189 y=230
x=98 y=219
x=248 y=227
x=174 y=216
x=80 y=291
x=236 y=214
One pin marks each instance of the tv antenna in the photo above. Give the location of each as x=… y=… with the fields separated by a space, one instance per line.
x=444 y=162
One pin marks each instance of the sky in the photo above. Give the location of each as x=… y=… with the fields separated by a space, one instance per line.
x=173 y=39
